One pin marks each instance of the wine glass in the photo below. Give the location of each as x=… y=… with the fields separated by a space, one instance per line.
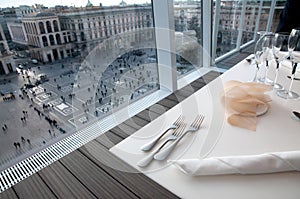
x=294 y=52
x=267 y=46
x=280 y=52
x=258 y=52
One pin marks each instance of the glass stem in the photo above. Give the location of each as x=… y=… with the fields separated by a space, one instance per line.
x=292 y=77
x=276 y=73
x=256 y=71
x=267 y=68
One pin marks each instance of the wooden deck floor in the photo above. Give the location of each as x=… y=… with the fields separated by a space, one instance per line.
x=235 y=58
x=80 y=174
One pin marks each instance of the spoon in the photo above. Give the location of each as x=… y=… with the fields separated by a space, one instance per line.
x=297 y=114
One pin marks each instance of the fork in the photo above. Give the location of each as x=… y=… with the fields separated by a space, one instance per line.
x=195 y=126
x=151 y=144
x=176 y=134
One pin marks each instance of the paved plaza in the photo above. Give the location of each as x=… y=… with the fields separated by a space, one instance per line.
x=74 y=94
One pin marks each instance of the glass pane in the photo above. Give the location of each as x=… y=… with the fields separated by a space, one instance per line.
x=277 y=12
x=265 y=15
x=82 y=64
x=188 y=35
x=251 y=14
x=228 y=26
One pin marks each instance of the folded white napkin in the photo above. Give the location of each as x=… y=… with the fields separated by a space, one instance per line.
x=251 y=164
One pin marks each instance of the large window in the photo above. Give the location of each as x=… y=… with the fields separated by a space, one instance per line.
x=95 y=61
x=230 y=15
x=237 y=22
x=188 y=35
x=75 y=82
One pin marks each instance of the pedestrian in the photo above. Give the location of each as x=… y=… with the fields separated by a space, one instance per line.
x=5 y=126
x=15 y=144
x=28 y=141
x=49 y=131
x=22 y=139
x=18 y=144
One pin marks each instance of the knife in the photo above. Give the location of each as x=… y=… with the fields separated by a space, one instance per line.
x=297 y=114
x=295 y=78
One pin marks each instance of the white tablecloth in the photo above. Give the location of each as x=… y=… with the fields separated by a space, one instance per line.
x=277 y=131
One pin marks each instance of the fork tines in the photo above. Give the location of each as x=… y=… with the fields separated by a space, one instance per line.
x=179 y=120
x=179 y=130
x=198 y=121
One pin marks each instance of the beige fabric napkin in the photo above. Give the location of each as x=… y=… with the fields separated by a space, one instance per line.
x=251 y=164
x=243 y=102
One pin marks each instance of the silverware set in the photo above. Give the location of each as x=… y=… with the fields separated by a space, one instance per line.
x=164 y=150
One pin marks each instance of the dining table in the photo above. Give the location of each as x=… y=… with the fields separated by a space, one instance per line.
x=277 y=130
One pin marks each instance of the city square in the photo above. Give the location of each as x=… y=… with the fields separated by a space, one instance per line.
x=126 y=79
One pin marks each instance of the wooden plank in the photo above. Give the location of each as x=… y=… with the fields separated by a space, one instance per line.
x=208 y=79
x=128 y=176
x=182 y=93
x=140 y=121
x=94 y=178
x=213 y=74
x=200 y=81
x=178 y=98
x=173 y=98
x=136 y=122
x=153 y=115
x=167 y=103
x=197 y=85
x=33 y=187
x=109 y=139
x=63 y=183
x=119 y=132
x=188 y=89
x=144 y=115
x=8 y=194
x=127 y=128
x=130 y=122
x=157 y=108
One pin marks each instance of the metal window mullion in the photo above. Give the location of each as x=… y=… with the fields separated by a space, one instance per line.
x=215 y=29
x=207 y=32
x=270 y=18
x=163 y=12
x=258 y=19
x=242 y=20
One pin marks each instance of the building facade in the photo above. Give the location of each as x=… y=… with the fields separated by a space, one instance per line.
x=46 y=40
x=89 y=26
x=17 y=32
x=7 y=64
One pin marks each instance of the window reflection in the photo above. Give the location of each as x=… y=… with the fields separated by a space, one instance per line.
x=188 y=36
x=82 y=64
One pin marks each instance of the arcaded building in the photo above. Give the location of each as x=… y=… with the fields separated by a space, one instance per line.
x=46 y=40
x=7 y=64
x=89 y=26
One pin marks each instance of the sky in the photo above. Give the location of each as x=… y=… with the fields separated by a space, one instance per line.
x=77 y=3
